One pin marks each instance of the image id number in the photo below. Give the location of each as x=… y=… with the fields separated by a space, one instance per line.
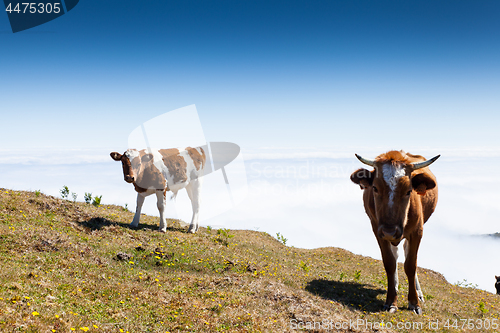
x=33 y=7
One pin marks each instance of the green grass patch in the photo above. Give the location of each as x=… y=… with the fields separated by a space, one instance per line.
x=69 y=266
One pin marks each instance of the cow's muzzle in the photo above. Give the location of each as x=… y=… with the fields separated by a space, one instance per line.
x=129 y=179
x=391 y=233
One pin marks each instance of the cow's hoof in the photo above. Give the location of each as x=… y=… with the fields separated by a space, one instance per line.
x=133 y=226
x=416 y=309
x=421 y=299
x=192 y=230
x=163 y=230
x=390 y=308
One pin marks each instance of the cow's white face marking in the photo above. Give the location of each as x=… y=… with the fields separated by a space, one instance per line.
x=392 y=174
x=131 y=154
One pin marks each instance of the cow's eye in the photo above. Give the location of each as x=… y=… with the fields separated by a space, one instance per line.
x=375 y=189
x=409 y=192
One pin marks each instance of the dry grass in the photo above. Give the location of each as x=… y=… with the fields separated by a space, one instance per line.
x=68 y=266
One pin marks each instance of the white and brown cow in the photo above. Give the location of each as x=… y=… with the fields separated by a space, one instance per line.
x=400 y=195
x=158 y=171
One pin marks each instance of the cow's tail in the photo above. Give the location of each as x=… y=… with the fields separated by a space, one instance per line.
x=174 y=195
x=207 y=164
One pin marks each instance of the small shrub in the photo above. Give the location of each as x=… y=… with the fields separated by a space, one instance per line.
x=357 y=275
x=97 y=201
x=87 y=197
x=64 y=192
x=125 y=208
x=304 y=266
x=281 y=238
x=342 y=276
x=209 y=229
x=465 y=284
x=37 y=193
x=482 y=308
x=74 y=196
x=223 y=237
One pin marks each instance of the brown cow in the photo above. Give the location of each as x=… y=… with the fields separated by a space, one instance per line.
x=400 y=195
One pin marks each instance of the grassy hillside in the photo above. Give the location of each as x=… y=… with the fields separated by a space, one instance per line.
x=67 y=266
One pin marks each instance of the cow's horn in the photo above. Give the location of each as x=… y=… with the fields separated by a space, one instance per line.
x=420 y=165
x=365 y=161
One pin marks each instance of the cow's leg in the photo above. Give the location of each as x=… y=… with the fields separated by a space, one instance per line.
x=137 y=216
x=420 y=294
x=193 y=189
x=411 y=272
x=161 y=203
x=390 y=259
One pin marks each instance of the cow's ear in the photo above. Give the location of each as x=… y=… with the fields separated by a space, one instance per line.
x=422 y=182
x=363 y=178
x=116 y=156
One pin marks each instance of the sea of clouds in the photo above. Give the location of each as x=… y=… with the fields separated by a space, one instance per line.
x=305 y=195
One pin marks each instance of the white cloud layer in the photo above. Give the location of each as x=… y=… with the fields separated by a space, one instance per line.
x=308 y=198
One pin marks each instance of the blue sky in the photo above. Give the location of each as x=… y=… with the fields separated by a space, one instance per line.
x=329 y=77
x=276 y=74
